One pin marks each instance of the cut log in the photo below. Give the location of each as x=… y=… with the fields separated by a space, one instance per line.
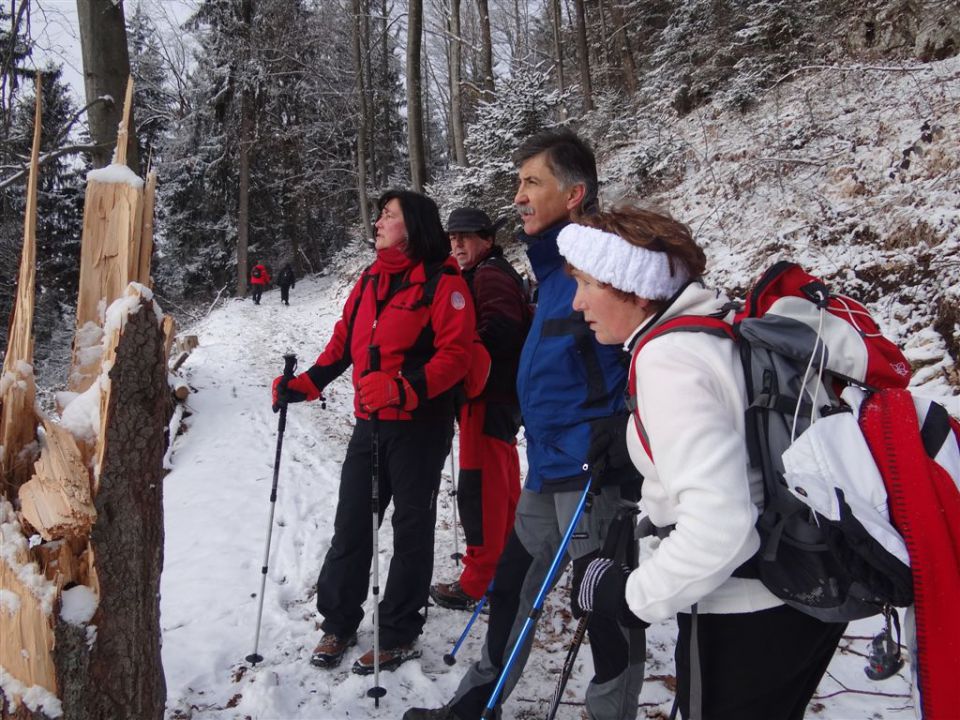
x=57 y=501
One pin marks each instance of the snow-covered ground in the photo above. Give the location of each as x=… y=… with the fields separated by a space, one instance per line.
x=217 y=507
x=852 y=171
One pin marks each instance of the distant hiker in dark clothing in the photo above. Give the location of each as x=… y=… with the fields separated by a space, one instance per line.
x=489 y=480
x=286 y=281
x=571 y=396
x=758 y=658
x=259 y=278
x=414 y=308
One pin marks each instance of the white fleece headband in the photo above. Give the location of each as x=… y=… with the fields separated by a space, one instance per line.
x=611 y=259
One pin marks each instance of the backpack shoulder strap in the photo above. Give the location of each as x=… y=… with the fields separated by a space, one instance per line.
x=683 y=323
x=434 y=272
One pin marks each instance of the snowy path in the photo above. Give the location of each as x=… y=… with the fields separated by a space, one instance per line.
x=217 y=505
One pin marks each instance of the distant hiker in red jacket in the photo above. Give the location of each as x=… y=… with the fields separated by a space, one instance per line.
x=415 y=309
x=259 y=277
x=489 y=480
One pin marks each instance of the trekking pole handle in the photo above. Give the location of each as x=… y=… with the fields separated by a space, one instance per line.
x=289 y=365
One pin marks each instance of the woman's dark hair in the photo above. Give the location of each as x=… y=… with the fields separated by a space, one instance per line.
x=426 y=239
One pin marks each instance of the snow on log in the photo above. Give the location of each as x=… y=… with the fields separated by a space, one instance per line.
x=27 y=673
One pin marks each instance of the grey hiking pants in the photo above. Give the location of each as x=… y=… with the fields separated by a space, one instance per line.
x=618 y=652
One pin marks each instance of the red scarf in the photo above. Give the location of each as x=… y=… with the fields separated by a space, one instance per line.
x=390 y=261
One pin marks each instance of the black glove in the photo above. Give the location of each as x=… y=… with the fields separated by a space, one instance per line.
x=608 y=445
x=603 y=591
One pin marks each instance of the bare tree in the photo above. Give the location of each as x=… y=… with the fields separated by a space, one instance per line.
x=106 y=67
x=486 y=55
x=415 y=139
x=583 y=51
x=558 y=45
x=622 y=40
x=363 y=126
x=456 y=90
x=246 y=147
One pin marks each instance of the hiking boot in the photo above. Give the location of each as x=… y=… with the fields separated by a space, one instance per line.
x=390 y=659
x=442 y=713
x=452 y=596
x=329 y=651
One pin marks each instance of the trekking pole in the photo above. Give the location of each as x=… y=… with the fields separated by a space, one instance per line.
x=489 y=713
x=376 y=692
x=457 y=555
x=289 y=365
x=609 y=550
x=451 y=657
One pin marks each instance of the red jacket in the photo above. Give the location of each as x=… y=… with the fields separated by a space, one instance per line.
x=429 y=345
x=264 y=276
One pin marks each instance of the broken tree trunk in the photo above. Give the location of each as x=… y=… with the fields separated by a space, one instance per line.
x=124 y=675
x=17 y=387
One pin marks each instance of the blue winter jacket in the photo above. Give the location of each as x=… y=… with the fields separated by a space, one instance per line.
x=565 y=379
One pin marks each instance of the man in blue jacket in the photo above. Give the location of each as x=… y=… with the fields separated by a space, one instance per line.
x=571 y=398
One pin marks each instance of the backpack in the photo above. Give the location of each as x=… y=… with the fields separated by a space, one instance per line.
x=256 y=272
x=801 y=346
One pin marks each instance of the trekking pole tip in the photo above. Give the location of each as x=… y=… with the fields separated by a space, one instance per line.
x=254 y=658
x=376 y=692
x=449 y=660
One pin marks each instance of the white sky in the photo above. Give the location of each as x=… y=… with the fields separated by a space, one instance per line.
x=55 y=29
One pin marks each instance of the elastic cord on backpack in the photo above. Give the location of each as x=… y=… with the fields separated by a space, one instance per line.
x=820 y=346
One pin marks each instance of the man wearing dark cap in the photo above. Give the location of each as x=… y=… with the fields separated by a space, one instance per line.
x=489 y=481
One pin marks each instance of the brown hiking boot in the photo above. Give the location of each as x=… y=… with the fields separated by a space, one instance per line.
x=390 y=659
x=329 y=651
x=452 y=596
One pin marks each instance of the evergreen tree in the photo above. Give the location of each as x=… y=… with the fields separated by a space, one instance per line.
x=152 y=99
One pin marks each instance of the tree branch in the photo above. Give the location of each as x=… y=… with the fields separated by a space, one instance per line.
x=46 y=158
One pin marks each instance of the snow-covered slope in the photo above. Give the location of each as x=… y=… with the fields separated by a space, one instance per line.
x=217 y=506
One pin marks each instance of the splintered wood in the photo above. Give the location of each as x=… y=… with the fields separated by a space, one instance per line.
x=17 y=388
x=57 y=501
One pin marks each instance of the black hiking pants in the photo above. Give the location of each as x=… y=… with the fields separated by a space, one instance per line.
x=763 y=665
x=285 y=294
x=257 y=293
x=412 y=455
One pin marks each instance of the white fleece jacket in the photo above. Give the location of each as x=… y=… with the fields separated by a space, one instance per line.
x=691 y=399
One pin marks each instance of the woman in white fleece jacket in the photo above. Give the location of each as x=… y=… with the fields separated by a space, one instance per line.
x=759 y=659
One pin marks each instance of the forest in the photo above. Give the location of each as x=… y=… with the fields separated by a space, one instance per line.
x=275 y=124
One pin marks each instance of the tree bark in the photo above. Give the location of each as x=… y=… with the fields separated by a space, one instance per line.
x=486 y=55
x=627 y=64
x=415 y=139
x=583 y=51
x=106 y=67
x=456 y=95
x=362 y=126
x=121 y=677
x=558 y=50
x=246 y=143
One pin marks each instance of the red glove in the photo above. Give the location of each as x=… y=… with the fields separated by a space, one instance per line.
x=379 y=390
x=296 y=389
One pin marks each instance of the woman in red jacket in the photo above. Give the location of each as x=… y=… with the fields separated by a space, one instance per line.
x=407 y=330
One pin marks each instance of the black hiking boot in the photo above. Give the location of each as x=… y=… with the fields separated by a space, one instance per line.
x=390 y=659
x=329 y=651
x=452 y=596
x=443 y=713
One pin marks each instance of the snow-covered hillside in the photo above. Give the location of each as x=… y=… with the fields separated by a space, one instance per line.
x=852 y=172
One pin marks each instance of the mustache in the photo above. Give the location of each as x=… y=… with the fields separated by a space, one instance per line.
x=523 y=209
